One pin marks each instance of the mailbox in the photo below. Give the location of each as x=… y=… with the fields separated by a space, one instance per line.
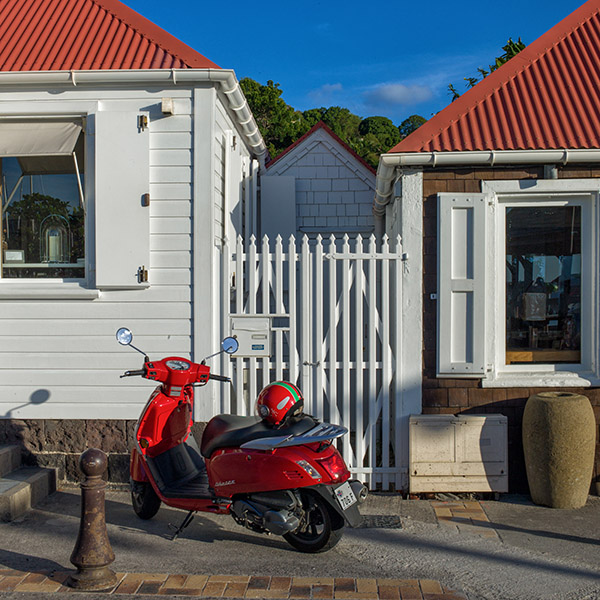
x=253 y=334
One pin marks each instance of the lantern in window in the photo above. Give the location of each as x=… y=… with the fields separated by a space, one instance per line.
x=55 y=240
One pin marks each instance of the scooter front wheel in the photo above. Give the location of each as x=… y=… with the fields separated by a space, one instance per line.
x=321 y=529
x=144 y=500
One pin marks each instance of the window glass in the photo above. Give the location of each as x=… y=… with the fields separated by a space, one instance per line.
x=543 y=284
x=43 y=222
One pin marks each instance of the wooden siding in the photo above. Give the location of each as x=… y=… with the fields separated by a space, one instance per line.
x=60 y=359
x=228 y=175
x=466 y=396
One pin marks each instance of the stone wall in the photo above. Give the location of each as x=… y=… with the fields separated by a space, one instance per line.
x=454 y=396
x=59 y=443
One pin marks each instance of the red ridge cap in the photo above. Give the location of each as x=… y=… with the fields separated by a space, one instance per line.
x=321 y=125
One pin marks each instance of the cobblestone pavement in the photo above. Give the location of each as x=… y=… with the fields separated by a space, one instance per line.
x=239 y=586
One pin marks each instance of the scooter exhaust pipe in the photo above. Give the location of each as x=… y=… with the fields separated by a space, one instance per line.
x=360 y=490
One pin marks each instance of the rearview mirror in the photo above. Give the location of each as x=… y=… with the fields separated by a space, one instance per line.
x=124 y=336
x=230 y=345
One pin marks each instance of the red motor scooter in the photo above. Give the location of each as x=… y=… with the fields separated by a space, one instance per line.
x=287 y=479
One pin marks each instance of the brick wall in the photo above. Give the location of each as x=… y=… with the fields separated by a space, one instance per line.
x=453 y=396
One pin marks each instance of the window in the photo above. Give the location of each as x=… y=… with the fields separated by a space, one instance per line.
x=41 y=199
x=543 y=284
x=75 y=201
x=517 y=291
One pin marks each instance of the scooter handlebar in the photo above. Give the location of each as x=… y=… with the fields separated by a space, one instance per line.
x=139 y=372
x=220 y=378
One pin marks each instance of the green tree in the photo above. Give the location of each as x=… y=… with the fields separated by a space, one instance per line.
x=410 y=124
x=343 y=123
x=382 y=129
x=511 y=49
x=279 y=124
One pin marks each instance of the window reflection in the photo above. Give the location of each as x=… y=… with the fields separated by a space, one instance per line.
x=543 y=284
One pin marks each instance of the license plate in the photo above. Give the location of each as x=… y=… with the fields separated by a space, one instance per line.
x=345 y=496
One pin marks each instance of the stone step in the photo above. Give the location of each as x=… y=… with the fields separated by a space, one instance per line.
x=10 y=458
x=24 y=488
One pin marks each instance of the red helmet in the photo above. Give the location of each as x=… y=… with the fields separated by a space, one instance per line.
x=278 y=401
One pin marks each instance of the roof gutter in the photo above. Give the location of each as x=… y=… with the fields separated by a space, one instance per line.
x=224 y=77
x=389 y=163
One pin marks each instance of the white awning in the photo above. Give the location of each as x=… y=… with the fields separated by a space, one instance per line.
x=38 y=138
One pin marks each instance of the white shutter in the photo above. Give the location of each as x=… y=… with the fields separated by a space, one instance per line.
x=462 y=233
x=122 y=176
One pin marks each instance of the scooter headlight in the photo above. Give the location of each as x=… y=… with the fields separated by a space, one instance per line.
x=309 y=469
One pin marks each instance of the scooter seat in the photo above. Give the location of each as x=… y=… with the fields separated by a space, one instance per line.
x=226 y=431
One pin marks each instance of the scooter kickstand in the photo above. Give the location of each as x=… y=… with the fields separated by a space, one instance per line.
x=188 y=519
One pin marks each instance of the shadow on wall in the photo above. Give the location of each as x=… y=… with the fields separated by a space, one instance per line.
x=38 y=397
x=13 y=429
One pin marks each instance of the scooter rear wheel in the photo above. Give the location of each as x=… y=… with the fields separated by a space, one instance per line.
x=323 y=528
x=144 y=500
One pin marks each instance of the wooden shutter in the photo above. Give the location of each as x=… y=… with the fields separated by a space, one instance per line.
x=462 y=226
x=122 y=174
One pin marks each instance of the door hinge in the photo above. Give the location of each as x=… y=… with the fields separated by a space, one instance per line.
x=142 y=274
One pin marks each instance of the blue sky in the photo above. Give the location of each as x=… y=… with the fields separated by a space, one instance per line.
x=392 y=59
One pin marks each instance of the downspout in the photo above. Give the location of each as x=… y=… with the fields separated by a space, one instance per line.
x=384 y=187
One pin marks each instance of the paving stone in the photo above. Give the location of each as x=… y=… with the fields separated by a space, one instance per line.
x=259 y=583
x=429 y=586
x=300 y=591
x=235 y=590
x=322 y=592
x=389 y=592
x=149 y=587
x=344 y=584
x=214 y=589
x=196 y=581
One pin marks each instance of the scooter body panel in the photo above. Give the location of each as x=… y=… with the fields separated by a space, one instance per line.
x=233 y=471
x=138 y=471
x=165 y=423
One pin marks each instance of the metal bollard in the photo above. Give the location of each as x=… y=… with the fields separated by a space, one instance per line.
x=92 y=553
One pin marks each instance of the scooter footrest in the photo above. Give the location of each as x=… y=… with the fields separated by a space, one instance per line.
x=197 y=488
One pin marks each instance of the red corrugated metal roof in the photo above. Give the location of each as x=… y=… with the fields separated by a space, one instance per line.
x=317 y=126
x=64 y=35
x=546 y=97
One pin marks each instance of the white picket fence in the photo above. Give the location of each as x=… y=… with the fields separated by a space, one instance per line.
x=335 y=309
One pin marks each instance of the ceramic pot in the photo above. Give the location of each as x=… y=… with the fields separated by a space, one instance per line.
x=559 y=439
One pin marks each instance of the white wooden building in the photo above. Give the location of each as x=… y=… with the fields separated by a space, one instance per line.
x=137 y=149
x=318 y=185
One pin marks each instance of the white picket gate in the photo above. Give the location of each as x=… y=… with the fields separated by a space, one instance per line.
x=335 y=310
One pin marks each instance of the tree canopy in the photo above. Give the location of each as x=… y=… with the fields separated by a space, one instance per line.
x=511 y=49
x=281 y=125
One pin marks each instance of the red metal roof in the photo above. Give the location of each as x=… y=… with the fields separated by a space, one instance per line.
x=321 y=125
x=546 y=97
x=64 y=35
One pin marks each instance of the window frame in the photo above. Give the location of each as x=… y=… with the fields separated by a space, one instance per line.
x=59 y=288
x=564 y=192
x=108 y=266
